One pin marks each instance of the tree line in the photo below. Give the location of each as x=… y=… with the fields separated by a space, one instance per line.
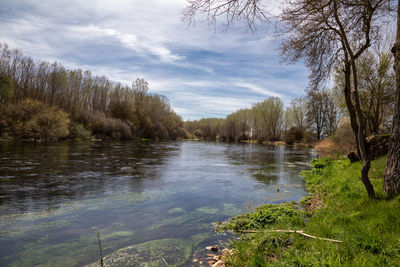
x=320 y=114
x=43 y=100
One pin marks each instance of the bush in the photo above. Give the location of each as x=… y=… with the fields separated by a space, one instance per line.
x=343 y=138
x=78 y=131
x=32 y=119
x=293 y=135
x=101 y=125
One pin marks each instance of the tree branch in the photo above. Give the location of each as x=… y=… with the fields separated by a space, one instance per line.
x=300 y=232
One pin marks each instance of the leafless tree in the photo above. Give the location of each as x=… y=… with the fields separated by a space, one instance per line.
x=324 y=33
x=248 y=11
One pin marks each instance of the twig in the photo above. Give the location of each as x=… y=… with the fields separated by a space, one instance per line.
x=300 y=232
x=164 y=261
x=100 y=248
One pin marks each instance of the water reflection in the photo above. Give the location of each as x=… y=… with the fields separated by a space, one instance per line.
x=51 y=195
x=37 y=176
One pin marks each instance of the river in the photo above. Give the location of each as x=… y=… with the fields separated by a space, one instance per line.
x=152 y=203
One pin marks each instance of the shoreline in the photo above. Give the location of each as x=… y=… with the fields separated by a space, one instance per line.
x=345 y=226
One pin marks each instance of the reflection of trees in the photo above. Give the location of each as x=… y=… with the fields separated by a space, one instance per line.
x=34 y=176
x=269 y=164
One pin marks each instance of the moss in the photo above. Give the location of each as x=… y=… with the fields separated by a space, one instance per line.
x=176 y=210
x=208 y=210
x=229 y=209
x=172 y=251
x=264 y=217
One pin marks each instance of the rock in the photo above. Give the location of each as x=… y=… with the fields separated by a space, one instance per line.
x=352 y=156
x=217 y=258
x=215 y=248
x=219 y=264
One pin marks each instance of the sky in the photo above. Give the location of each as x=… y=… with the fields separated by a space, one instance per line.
x=204 y=71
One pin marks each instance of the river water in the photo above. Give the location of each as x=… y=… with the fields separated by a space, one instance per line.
x=152 y=203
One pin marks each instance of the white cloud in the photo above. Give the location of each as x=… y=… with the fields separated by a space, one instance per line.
x=204 y=72
x=129 y=40
x=257 y=89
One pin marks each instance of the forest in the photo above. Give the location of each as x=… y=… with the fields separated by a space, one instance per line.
x=46 y=101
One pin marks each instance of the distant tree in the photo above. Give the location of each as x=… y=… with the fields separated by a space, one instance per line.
x=107 y=108
x=296 y=113
x=321 y=112
x=270 y=114
x=6 y=88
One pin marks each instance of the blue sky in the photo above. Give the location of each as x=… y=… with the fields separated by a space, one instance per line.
x=204 y=71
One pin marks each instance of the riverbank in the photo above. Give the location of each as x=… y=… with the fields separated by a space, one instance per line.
x=337 y=208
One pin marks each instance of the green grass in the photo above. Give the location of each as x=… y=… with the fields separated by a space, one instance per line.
x=369 y=229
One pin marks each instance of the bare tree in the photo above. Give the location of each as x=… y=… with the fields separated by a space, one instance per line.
x=247 y=11
x=323 y=32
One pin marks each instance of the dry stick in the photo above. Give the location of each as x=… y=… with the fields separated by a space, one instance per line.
x=297 y=232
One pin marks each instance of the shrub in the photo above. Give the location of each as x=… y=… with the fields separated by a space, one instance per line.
x=101 y=125
x=78 y=131
x=33 y=119
x=343 y=138
x=293 y=135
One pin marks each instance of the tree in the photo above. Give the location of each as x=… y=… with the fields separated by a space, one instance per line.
x=376 y=89
x=270 y=114
x=322 y=32
x=376 y=86
x=296 y=114
x=6 y=88
x=321 y=112
x=392 y=172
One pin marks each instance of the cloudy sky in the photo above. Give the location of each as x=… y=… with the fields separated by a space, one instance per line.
x=204 y=71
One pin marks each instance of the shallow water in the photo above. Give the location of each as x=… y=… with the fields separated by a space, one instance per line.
x=151 y=202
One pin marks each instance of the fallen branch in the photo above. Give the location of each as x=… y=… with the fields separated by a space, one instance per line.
x=300 y=232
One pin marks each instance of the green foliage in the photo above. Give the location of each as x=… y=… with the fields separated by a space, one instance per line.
x=264 y=216
x=368 y=228
x=31 y=119
x=321 y=163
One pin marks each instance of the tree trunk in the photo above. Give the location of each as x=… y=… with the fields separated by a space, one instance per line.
x=350 y=106
x=392 y=172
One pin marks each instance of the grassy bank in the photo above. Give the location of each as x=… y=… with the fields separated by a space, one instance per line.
x=337 y=208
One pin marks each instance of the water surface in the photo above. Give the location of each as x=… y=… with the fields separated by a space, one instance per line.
x=151 y=202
